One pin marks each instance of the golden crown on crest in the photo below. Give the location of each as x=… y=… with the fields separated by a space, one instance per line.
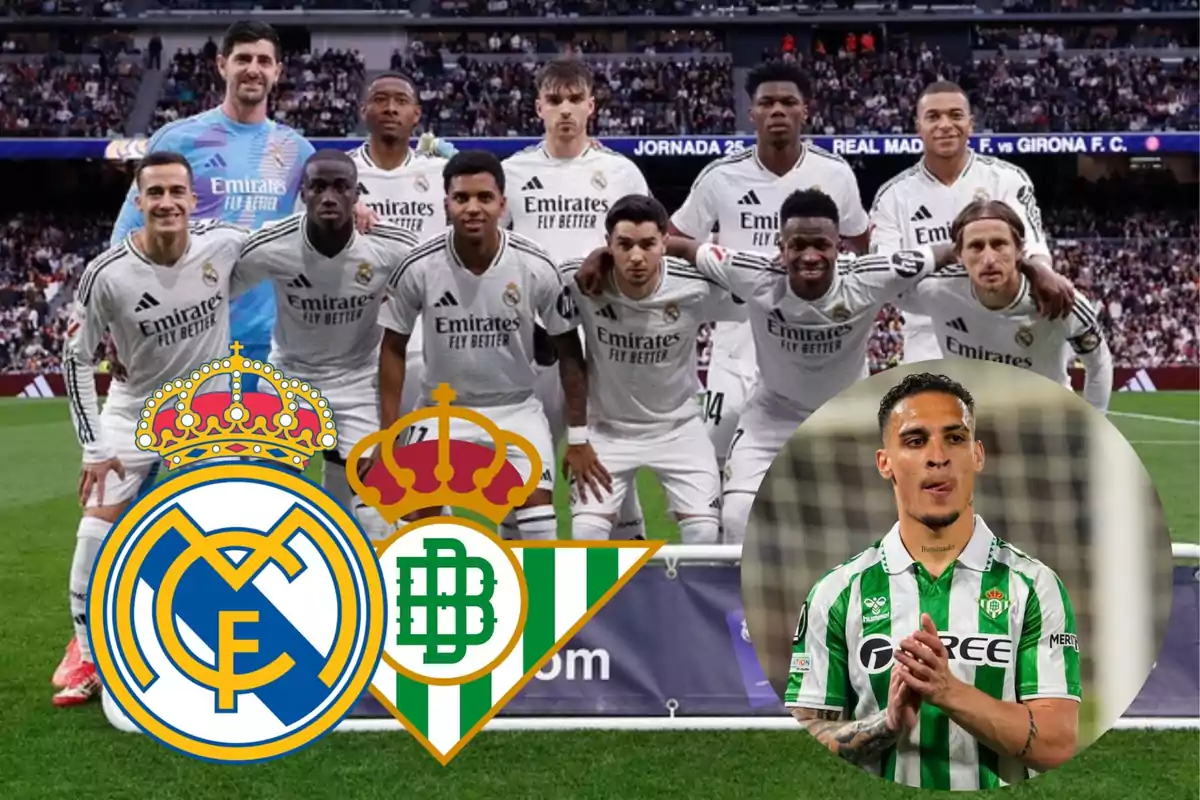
x=443 y=471
x=186 y=426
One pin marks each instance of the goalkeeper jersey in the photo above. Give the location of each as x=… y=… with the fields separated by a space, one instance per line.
x=245 y=174
x=1004 y=617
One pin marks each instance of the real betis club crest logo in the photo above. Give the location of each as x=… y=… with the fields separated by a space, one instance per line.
x=471 y=619
x=994 y=603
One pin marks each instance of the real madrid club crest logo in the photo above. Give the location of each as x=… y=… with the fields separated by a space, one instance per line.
x=422 y=183
x=1024 y=336
x=209 y=274
x=671 y=312
x=981 y=195
x=364 y=274
x=236 y=611
x=512 y=295
x=599 y=181
x=839 y=313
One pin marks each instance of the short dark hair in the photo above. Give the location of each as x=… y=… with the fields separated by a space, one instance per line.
x=637 y=208
x=248 y=32
x=920 y=383
x=987 y=209
x=473 y=162
x=394 y=74
x=944 y=87
x=161 y=158
x=778 y=72
x=332 y=154
x=809 y=203
x=565 y=72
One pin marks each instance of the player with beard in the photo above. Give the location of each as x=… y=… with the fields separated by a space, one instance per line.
x=163 y=295
x=739 y=194
x=558 y=194
x=329 y=280
x=941 y=657
x=401 y=186
x=983 y=309
x=916 y=208
x=479 y=290
x=811 y=319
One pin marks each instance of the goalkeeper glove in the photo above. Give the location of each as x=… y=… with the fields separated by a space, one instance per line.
x=429 y=144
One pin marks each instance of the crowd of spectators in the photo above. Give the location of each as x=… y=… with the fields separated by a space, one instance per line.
x=875 y=91
x=1086 y=37
x=634 y=96
x=55 y=96
x=317 y=94
x=41 y=257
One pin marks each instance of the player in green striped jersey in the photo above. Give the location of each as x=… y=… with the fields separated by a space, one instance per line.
x=941 y=657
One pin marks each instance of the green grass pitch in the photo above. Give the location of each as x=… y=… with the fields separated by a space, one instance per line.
x=51 y=753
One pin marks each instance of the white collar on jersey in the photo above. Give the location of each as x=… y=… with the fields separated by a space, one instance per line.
x=1022 y=295
x=977 y=555
x=799 y=161
x=929 y=176
x=365 y=151
x=131 y=246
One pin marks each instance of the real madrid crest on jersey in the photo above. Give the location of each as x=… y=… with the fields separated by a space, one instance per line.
x=236 y=610
x=1024 y=336
x=671 y=312
x=839 y=313
x=599 y=181
x=981 y=195
x=421 y=183
x=209 y=274
x=512 y=295
x=364 y=274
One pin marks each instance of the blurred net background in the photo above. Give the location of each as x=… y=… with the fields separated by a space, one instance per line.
x=1059 y=482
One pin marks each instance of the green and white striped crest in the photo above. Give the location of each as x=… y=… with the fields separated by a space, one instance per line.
x=472 y=619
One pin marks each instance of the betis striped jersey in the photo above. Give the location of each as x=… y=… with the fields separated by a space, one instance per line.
x=1004 y=617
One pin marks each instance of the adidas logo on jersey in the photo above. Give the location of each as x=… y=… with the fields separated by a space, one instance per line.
x=532 y=185
x=922 y=214
x=750 y=198
x=216 y=162
x=300 y=282
x=445 y=301
x=958 y=324
x=608 y=312
x=146 y=303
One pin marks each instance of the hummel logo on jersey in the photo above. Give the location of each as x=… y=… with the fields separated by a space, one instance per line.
x=146 y=303
x=300 y=282
x=749 y=199
x=362 y=189
x=216 y=162
x=958 y=324
x=922 y=214
x=534 y=184
x=607 y=312
x=445 y=301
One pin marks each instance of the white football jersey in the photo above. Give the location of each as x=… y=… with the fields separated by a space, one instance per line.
x=742 y=197
x=915 y=209
x=412 y=196
x=326 y=325
x=561 y=203
x=1015 y=335
x=809 y=351
x=478 y=329
x=164 y=321
x=641 y=353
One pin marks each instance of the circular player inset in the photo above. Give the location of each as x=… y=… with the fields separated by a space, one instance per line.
x=956 y=575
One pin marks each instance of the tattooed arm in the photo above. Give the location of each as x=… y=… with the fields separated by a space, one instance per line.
x=859 y=741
